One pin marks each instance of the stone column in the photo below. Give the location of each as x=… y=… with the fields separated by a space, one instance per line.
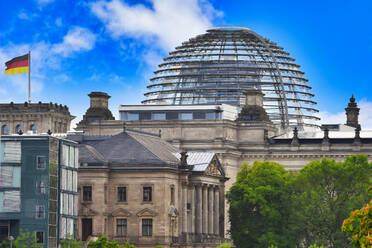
x=210 y=209
x=217 y=211
x=205 y=210
x=193 y=206
x=184 y=210
x=198 y=209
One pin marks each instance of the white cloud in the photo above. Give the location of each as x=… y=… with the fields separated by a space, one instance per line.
x=166 y=24
x=76 y=40
x=365 y=115
x=44 y=56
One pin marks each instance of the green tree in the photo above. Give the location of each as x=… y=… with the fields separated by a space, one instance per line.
x=103 y=242
x=26 y=240
x=224 y=245
x=70 y=242
x=127 y=245
x=260 y=206
x=359 y=226
x=326 y=193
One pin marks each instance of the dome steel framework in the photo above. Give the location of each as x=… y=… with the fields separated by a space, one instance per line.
x=216 y=67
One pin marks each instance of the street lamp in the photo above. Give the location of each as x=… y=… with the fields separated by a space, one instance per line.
x=11 y=241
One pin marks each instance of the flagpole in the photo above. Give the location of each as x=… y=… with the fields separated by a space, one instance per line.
x=29 y=76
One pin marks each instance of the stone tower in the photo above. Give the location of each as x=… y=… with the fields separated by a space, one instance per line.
x=98 y=109
x=352 y=113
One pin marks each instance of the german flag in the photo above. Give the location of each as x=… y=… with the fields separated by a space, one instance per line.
x=18 y=65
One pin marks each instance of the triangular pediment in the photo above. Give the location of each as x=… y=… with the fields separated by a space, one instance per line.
x=215 y=168
x=86 y=211
x=147 y=213
x=120 y=212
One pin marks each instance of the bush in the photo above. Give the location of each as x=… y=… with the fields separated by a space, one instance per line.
x=224 y=245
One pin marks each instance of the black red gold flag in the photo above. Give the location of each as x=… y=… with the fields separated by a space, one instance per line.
x=18 y=65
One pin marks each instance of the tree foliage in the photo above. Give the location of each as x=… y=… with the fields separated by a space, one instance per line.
x=70 y=242
x=26 y=240
x=259 y=205
x=270 y=206
x=224 y=245
x=359 y=226
x=103 y=242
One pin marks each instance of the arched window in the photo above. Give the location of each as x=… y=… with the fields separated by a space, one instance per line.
x=5 y=129
x=19 y=128
x=33 y=128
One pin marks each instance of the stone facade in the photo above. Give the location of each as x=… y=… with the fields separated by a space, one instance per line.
x=186 y=206
x=248 y=139
x=34 y=118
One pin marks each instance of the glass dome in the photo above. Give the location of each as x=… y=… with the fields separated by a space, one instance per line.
x=216 y=67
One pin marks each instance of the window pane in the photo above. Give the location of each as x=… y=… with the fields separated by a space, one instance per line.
x=12 y=152
x=158 y=116
x=41 y=162
x=146 y=227
x=71 y=157
x=40 y=237
x=133 y=117
x=172 y=116
x=145 y=116
x=199 y=115
x=210 y=116
x=186 y=116
x=147 y=194
x=87 y=193
x=122 y=194
x=121 y=227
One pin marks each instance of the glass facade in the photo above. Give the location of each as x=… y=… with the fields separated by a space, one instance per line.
x=217 y=67
x=69 y=196
x=170 y=115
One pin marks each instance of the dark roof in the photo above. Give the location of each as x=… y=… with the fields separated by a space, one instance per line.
x=127 y=148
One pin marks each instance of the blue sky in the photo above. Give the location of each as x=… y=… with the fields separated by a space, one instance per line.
x=115 y=45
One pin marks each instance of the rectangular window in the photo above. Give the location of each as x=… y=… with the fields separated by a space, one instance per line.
x=87 y=193
x=199 y=115
x=122 y=194
x=145 y=116
x=172 y=195
x=41 y=162
x=12 y=152
x=210 y=116
x=172 y=116
x=40 y=237
x=121 y=227
x=133 y=116
x=147 y=194
x=158 y=116
x=146 y=227
x=185 y=116
x=40 y=213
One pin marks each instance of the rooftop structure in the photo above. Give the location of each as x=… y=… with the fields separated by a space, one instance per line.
x=216 y=67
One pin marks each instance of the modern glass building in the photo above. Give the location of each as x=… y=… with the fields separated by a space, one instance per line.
x=216 y=67
x=38 y=187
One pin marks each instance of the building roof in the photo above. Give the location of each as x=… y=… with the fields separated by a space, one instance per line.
x=127 y=148
x=199 y=160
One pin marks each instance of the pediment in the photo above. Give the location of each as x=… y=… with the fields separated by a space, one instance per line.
x=215 y=168
x=147 y=213
x=120 y=212
x=86 y=211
